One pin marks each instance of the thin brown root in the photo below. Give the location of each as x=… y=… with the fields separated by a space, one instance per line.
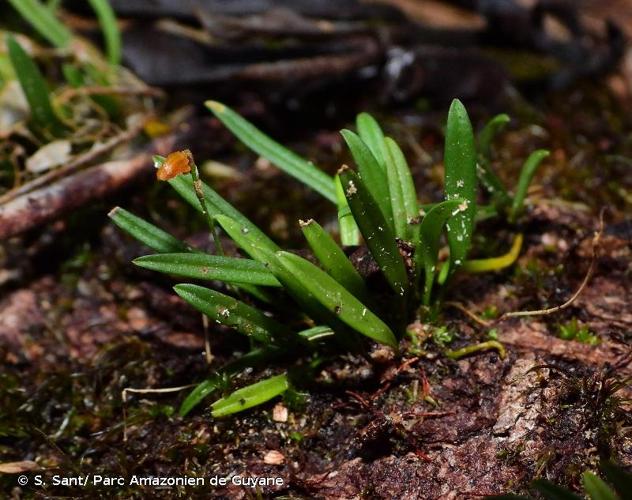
x=473 y=316
x=128 y=390
x=569 y=302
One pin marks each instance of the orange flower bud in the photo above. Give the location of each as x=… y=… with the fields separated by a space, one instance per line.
x=176 y=163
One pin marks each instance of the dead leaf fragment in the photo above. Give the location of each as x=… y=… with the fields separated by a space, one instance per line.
x=18 y=467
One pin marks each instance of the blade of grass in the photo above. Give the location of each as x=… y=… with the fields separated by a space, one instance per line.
x=402 y=191
x=526 y=176
x=249 y=396
x=152 y=236
x=217 y=205
x=371 y=172
x=35 y=89
x=279 y=155
x=378 y=236
x=109 y=27
x=338 y=299
x=495 y=263
x=371 y=133
x=460 y=181
x=430 y=229
x=209 y=267
x=349 y=232
x=231 y=312
x=333 y=259
x=43 y=21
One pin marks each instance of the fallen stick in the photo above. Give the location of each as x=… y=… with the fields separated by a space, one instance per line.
x=51 y=202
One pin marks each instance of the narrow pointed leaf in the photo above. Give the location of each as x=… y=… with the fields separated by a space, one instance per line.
x=430 y=231
x=619 y=477
x=495 y=263
x=152 y=236
x=349 y=232
x=111 y=34
x=491 y=129
x=231 y=312
x=201 y=391
x=279 y=155
x=333 y=259
x=35 y=89
x=316 y=333
x=377 y=235
x=43 y=21
x=596 y=488
x=402 y=191
x=209 y=267
x=526 y=176
x=371 y=133
x=217 y=205
x=551 y=491
x=252 y=395
x=372 y=173
x=338 y=299
x=460 y=181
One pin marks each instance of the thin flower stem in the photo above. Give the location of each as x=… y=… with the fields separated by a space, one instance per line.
x=197 y=186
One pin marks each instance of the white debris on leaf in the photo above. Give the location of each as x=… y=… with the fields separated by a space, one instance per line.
x=351 y=188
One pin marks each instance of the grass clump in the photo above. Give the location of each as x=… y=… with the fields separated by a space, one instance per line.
x=292 y=308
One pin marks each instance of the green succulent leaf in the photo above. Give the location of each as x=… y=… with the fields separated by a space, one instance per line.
x=371 y=172
x=35 y=89
x=490 y=130
x=231 y=312
x=349 y=232
x=596 y=488
x=209 y=267
x=152 y=236
x=338 y=299
x=402 y=191
x=619 y=477
x=200 y=392
x=43 y=20
x=279 y=155
x=107 y=20
x=460 y=181
x=371 y=133
x=333 y=259
x=217 y=205
x=526 y=176
x=316 y=333
x=249 y=396
x=430 y=231
x=255 y=248
x=377 y=234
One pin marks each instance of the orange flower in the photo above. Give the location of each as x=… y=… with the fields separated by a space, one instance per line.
x=176 y=163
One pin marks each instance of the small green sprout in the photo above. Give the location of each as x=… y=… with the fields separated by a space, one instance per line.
x=574 y=330
x=335 y=308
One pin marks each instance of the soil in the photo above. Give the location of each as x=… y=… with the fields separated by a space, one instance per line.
x=79 y=324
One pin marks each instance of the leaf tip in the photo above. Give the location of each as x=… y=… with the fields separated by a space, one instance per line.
x=215 y=107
